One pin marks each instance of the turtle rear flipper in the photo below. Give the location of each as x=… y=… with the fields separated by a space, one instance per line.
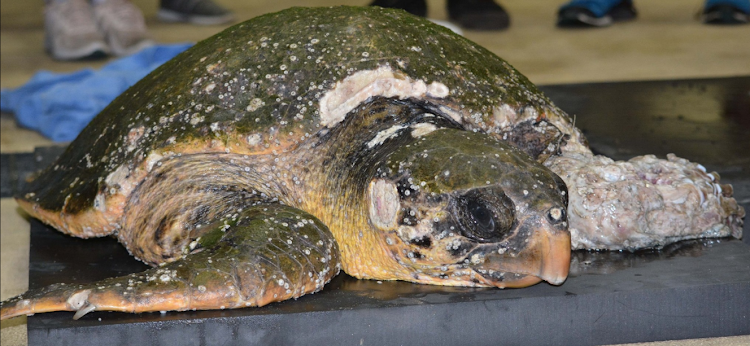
x=267 y=253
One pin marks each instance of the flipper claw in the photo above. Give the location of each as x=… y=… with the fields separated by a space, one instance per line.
x=84 y=310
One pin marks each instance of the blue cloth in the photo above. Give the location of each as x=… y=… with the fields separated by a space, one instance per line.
x=597 y=7
x=59 y=105
x=741 y=5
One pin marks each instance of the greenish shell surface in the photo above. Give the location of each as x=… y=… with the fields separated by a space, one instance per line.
x=266 y=77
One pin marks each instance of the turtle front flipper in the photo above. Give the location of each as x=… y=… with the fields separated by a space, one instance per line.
x=264 y=254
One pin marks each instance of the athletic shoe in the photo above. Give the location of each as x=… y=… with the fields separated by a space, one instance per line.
x=478 y=14
x=123 y=26
x=71 y=32
x=726 y=12
x=599 y=13
x=200 y=12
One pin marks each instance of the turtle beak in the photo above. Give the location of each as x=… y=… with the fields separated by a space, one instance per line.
x=553 y=250
x=546 y=257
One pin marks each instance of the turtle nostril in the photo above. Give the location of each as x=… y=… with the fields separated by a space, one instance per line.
x=556 y=215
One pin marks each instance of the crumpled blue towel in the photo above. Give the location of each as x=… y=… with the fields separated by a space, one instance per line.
x=59 y=105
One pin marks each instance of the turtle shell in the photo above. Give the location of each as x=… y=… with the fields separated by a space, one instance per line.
x=254 y=89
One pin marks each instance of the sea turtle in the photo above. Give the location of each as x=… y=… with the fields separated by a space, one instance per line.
x=255 y=165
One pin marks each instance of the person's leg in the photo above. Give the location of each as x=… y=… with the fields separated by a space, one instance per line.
x=122 y=24
x=726 y=12
x=470 y=14
x=71 y=32
x=200 y=12
x=598 y=13
x=417 y=8
x=478 y=14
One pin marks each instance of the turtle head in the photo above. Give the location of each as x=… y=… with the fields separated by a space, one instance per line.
x=461 y=208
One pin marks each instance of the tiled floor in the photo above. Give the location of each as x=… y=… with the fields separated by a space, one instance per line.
x=666 y=42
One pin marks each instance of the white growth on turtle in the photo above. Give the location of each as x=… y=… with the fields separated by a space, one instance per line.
x=554 y=213
x=120 y=178
x=384 y=203
x=421 y=129
x=412 y=233
x=643 y=202
x=254 y=105
x=504 y=116
x=253 y=139
x=152 y=159
x=353 y=90
x=382 y=136
x=437 y=90
x=100 y=202
x=134 y=135
x=77 y=300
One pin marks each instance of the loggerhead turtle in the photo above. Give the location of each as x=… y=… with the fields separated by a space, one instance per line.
x=255 y=165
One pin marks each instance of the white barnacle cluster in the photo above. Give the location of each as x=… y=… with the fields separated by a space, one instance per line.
x=353 y=90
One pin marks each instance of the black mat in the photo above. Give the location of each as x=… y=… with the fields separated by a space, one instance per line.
x=16 y=168
x=691 y=290
x=695 y=289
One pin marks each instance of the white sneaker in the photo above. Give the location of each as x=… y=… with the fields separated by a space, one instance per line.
x=123 y=26
x=70 y=31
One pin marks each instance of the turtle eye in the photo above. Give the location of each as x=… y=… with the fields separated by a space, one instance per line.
x=484 y=215
x=481 y=217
